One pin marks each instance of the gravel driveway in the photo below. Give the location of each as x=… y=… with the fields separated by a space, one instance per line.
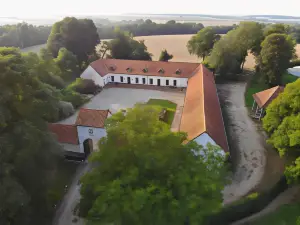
x=247 y=149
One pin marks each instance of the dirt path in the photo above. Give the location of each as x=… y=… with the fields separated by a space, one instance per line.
x=247 y=150
x=288 y=196
x=64 y=214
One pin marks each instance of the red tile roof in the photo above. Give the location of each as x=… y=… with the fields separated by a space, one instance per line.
x=202 y=112
x=264 y=98
x=91 y=117
x=64 y=133
x=119 y=66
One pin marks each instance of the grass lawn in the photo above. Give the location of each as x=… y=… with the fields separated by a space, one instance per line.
x=257 y=85
x=170 y=106
x=286 y=215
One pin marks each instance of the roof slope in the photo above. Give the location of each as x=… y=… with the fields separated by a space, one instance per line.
x=202 y=112
x=119 y=66
x=64 y=133
x=91 y=117
x=265 y=97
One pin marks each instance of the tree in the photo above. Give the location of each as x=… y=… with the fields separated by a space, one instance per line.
x=277 y=28
x=155 y=178
x=282 y=122
x=28 y=151
x=68 y=64
x=276 y=53
x=165 y=56
x=202 y=43
x=125 y=47
x=77 y=35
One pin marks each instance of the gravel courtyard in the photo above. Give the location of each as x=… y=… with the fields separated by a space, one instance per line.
x=115 y=99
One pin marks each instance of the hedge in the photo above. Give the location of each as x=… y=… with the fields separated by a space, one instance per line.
x=248 y=207
x=84 y=86
x=294 y=63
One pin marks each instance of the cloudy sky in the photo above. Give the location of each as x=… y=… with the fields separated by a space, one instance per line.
x=40 y=8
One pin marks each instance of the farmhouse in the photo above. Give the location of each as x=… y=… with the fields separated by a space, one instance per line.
x=201 y=116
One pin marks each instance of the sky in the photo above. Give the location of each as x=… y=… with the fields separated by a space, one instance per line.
x=40 y=8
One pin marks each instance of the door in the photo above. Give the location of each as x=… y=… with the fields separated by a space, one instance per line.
x=128 y=80
x=158 y=82
x=175 y=82
x=144 y=80
x=88 y=146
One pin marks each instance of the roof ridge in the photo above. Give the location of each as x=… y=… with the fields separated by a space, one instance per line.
x=204 y=116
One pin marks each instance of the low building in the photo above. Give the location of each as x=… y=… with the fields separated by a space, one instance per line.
x=263 y=98
x=201 y=117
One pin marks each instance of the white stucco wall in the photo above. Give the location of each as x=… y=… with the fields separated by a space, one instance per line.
x=90 y=133
x=204 y=139
x=91 y=74
x=181 y=82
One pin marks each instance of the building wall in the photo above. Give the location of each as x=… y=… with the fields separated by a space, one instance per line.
x=91 y=74
x=204 y=139
x=90 y=133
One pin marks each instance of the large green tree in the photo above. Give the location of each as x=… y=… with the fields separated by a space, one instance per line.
x=125 y=47
x=77 y=35
x=144 y=174
x=276 y=53
x=202 y=43
x=28 y=151
x=229 y=54
x=282 y=122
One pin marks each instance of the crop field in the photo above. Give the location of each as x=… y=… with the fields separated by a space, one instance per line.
x=175 y=45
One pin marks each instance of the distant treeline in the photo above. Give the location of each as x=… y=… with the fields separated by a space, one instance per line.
x=23 y=35
x=148 y=28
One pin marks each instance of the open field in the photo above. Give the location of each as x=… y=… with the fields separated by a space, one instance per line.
x=175 y=44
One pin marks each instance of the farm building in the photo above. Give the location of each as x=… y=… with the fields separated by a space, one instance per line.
x=201 y=116
x=263 y=98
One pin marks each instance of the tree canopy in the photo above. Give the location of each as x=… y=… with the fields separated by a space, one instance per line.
x=125 y=47
x=144 y=172
x=23 y=35
x=77 y=35
x=282 y=122
x=165 y=56
x=276 y=52
x=229 y=54
x=202 y=43
x=28 y=151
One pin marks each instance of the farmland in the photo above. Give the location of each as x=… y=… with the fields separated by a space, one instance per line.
x=175 y=44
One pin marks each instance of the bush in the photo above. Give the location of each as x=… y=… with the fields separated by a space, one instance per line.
x=294 y=63
x=247 y=207
x=84 y=86
x=53 y=80
x=74 y=97
x=66 y=109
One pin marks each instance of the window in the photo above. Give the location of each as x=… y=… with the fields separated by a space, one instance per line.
x=145 y=70
x=175 y=83
x=178 y=71
x=112 y=78
x=151 y=81
x=129 y=69
x=161 y=70
x=136 y=80
x=122 y=79
x=167 y=82
x=144 y=80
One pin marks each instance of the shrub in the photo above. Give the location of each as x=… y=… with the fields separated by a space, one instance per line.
x=53 y=80
x=74 y=97
x=83 y=86
x=247 y=206
x=66 y=109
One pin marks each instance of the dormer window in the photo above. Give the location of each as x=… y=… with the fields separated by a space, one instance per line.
x=129 y=69
x=112 y=68
x=145 y=70
x=178 y=72
x=161 y=70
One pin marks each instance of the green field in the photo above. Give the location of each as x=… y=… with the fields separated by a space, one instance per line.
x=285 y=215
x=257 y=85
x=168 y=105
